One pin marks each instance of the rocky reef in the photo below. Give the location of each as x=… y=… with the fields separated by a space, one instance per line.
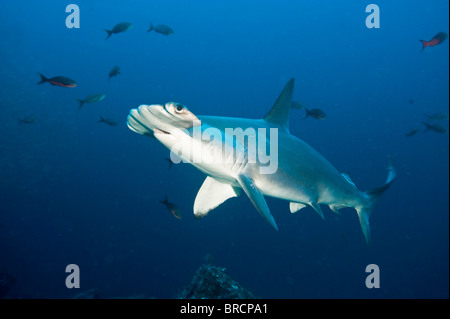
x=212 y=282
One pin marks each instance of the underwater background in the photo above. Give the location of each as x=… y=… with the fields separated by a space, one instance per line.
x=76 y=191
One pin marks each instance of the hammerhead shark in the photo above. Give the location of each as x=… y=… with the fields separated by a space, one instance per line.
x=232 y=152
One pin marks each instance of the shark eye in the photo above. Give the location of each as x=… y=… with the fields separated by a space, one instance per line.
x=179 y=108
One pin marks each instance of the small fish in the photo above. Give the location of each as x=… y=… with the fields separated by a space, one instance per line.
x=437 y=39
x=297 y=105
x=413 y=132
x=29 y=119
x=120 y=27
x=110 y=122
x=437 y=117
x=161 y=28
x=315 y=113
x=114 y=71
x=434 y=127
x=172 y=208
x=411 y=101
x=58 y=81
x=91 y=99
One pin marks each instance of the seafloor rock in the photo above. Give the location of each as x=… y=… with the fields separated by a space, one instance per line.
x=6 y=282
x=211 y=282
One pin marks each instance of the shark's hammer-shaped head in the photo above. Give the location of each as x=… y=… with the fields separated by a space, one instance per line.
x=167 y=123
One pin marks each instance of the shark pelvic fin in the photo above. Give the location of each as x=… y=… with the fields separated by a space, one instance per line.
x=257 y=198
x=279 y=114
x=295 y=207
x=212 y=194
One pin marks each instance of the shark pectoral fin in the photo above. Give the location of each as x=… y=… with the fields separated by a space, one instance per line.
x=317 y=208
x=257 y=198
x=212 y=194
x=295 y=207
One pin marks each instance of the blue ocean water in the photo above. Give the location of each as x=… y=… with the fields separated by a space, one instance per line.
x=75 y=191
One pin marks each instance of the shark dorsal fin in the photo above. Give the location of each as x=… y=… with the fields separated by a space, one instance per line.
x=279 y=114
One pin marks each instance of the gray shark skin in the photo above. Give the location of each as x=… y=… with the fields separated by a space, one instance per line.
x=302 y=175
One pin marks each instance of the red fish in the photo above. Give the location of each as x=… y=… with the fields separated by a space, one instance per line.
x=437 y=39
x=58 y=81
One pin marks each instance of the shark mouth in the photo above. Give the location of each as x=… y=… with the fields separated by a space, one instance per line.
x=156 y=131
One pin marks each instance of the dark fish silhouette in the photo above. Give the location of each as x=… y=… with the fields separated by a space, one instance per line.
x=114 y=71
x=120 y=27
x=58 y=81
x=110 y=122
x=92 y=99
x=29 y=119
x=413 y=132
x=434 y=127
x=437 y=39
x=172 y=208
x=437 y=117
x=315 y=113
x=161 y=28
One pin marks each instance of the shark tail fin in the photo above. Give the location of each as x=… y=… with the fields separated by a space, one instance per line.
x=373 y=196
x=150 y=28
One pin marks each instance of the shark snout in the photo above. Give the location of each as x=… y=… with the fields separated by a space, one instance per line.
x=159 y=118
x=147 y=118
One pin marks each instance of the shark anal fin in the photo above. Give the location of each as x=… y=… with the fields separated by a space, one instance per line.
x=257 y=198
x=295 y=207
x=279 y=114
x=212 y=194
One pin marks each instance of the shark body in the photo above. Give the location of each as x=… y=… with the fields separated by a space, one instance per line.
x=302 y=176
